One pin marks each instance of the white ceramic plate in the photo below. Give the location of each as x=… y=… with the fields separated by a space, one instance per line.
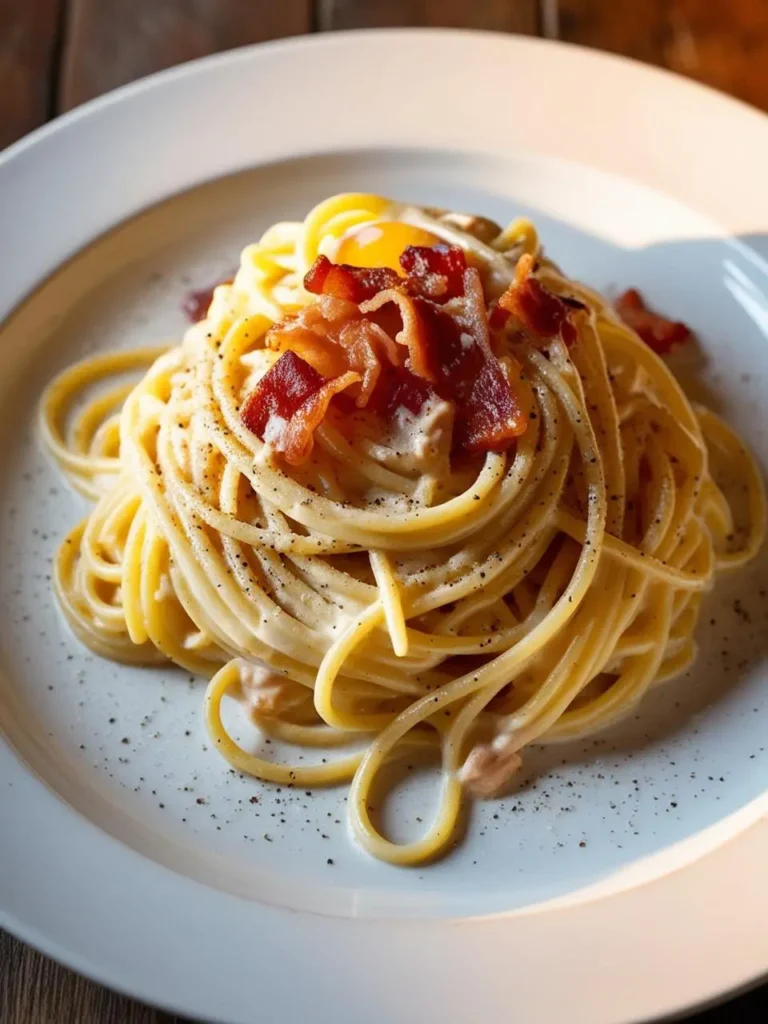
x=604 y=891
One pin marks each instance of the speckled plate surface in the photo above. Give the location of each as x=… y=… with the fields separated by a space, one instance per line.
x=602 y=886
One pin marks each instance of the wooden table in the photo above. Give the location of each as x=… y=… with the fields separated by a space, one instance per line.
x=55 y=54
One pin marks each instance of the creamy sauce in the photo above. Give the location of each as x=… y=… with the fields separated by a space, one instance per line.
x=418 y=442
x=165 y=588
x=266 y=693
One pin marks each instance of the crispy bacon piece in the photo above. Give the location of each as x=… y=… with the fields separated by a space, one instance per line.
x=196 y=303
x=540 y=312
x=399 y=388
x=452 y=351
x=414 y=332
x=364 y=344
x=656 y=331
x=289 y=403
x=435 y=272
x=355 y=284
x=345 y=340
x=312 y=347
x=333 y=336
x=497 y=317
x=489 y=416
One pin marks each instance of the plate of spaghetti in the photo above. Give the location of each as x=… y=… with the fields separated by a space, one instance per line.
x=383 y=533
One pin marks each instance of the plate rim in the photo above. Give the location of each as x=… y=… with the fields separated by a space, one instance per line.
x=245 y=52
x=90 y=835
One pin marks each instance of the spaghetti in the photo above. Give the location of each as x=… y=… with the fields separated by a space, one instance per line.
x=457 y=564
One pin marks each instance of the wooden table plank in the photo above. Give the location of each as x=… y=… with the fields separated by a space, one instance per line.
x=111 y=42
x=504 y=15
x=35 y=990
x=29 y=37
x=723 y=43
x=631 y=29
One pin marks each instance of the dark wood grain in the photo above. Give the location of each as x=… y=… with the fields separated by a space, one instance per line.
x=35 y=990
x=29 y=36
x=631 y=29
x=503 y=15
x=723 y=43
x=111 y=42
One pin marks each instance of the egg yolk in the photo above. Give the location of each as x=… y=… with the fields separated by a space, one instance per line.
x=381 y=245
